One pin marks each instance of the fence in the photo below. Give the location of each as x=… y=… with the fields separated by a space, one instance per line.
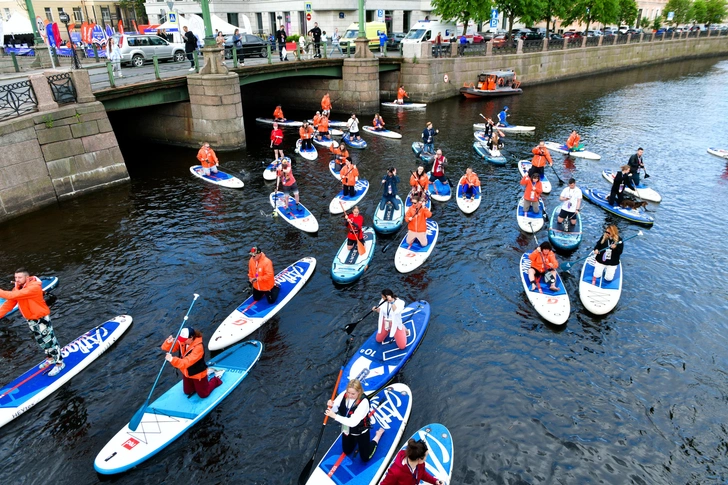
x=17 y=99
x=532 y=45
x=62 y=88
x=556 y=44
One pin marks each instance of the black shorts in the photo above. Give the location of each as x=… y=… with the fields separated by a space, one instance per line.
x=287 y=189
x=323 y=133
x=566 y=215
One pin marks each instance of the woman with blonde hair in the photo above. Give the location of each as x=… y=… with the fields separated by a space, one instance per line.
x=607 y=252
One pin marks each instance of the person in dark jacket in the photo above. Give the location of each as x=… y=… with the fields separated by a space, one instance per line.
x=281 y=38
x=190 y=46
x=635 y=164
x=389 y=189
x=316 y=33
x=622 y=180
x=428 y=138
x=607 y=252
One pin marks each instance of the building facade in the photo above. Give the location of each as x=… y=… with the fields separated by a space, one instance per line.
x=98 y=11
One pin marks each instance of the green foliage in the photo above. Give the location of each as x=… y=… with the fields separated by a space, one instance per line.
x=587 y=11
x=553 y=9
x=463 y=10
x=657 y=23
x=698 y=11
x=627 y=12
x=48 y=120
x=528 y=11
x=716 y=11
x=644 y=22
x=681 y=9
x=138 y=7
x=293 y=38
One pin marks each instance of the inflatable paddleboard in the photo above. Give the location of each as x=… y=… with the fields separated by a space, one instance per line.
x=334 y=123
x=530 y=222
x=390 y=104
x=718 y=152
x=173 y=413
x=439 y=191
x=309 y=154
x=643 y=191
x=299 y=217
x=289 y=123
x=439 y=461
x=514 y=128
x=601 y=297
x=523 y=168
x=335 y=132
x=560 y=148
x=564 y=236
x=418 y=148
x=490 y=156
x=220 y=178
x=408 y=260
x=601 y=198
x=387 y=219
x=332 y=169
x=408 y=202
x=348 y=265
x=385 y=133
x=35 y=385
x=392 y=410
x=46 y=282
x=466 y=204
x=270 y=171
x=481 y=137
x=361 y=188
x=251 y=315
x=326 y=141
x=361 y=143
x=553 y=306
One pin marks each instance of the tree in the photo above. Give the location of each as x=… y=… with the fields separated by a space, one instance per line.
x=553 y=9
x=644 y=22
x=587 y=11
x=137 y=6
x=657 y=23
x=680 y=9
x=716 y=11
x=528 y=11
x=698 y=12
x=463 y=10
x=627 y=12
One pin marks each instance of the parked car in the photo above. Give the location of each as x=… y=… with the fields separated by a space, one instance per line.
x=610 y=32
x=634 y=31
x=529 y=35
x=594 y=33
x=488 y=36
x=476 y=39
x=660 y=32
x=394 y=39
x=252 y=46
x=499 y=40
x=138 y=49
x=572 y=36
x=556 y=37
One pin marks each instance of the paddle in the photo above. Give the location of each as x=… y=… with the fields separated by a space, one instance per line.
x=426 y=193
x=307 y=469
x=647 y=175
x=351 y=326
x=566 y=266
x=359 y=245
x=384 y=249
x=561 y=182
x=542 y=259
x=137 y=418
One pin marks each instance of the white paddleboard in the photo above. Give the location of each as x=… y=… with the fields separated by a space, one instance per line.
x=439 y=461
x=467 y=205
x=270 y=172
x=506 y=129
x=332 y=167
x=530 y=222
x=311 y=154
x=326 y=141
x=718 y=152
x=599 y=298
x=299 y=217
x=553 y=306
x=560 y=148
x=361 y=187
x=524 y=166
x=408 y=260
x=334 y=123
x=643 y=192
x=390 y=104
x=220 y=178
x=289 y=123
x=385 y=133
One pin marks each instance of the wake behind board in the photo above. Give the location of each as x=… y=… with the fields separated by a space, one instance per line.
x=601 y=198
x=299 y=217
x=531 y=222
x=46 y=282
x=220 y=178
x=389 y=104
x=439 y=461
x=361 y=143
x=349 y=265
x=553 y=306
x=490 y=156
x=333 y=169
x=309 y=153
x=392 y=410
x=719 y=152
x=288 y=123
x=387 y=219
x=407 y=260
x=561 y=148
x=173 y=413
x=466 y=204
x=439 y=191
x=361 y=187
x=524 y=166
x=602 y=296
x=564 y=236
x=251 y=314
x=35 y=385
x=270 y=172
x=418 y=148
x=643 y=191
x=375 y=364
x=383 y=133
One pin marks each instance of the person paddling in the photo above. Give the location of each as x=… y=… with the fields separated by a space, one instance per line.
x=276 y=139
x=543 y=264
x=278 y=114
x=532 y=193
x=401 y=94
x=622 y=180
x=288 y=183
x=389 y=189
x=349 y=176
x=191 y=362
x=570 y=198
x=306 y=133
x=541 y=155
x=635 y=164
x=28 y=295
x=261 y=276
x=419 y=183
x=408 y=467
x=207 y=159
x=572 y=143
x=378 y=122
x=390 y=324
x=354 y=225
x=428 y=138
x=607 y=252
x=417 y=216
x=323 y=128
x=438 y=168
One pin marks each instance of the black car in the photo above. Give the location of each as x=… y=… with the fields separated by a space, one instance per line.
x=530 y=35
x=251 y=46
x=394 y=40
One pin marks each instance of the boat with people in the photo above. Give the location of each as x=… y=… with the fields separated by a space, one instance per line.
x=719 y=152
x=492 y=84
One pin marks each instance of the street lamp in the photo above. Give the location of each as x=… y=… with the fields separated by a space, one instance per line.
x=64 y=18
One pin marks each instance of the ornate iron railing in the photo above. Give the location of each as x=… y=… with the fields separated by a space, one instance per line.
x=508 y=48
x=556 y=44
x=621 y=39
x=592 y=41
x=62 y=88
x=475 y=49
x=574 y=43
x=17 y=99
x=532 y=45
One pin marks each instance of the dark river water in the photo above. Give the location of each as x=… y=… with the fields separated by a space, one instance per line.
x=637 y=396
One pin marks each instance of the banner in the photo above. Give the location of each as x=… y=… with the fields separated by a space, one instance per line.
x=109 y=31
x=49 y=34
x=57 y=34
x=120 y=27
x=97 y=35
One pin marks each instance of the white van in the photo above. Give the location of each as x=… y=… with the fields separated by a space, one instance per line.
x=427 y=30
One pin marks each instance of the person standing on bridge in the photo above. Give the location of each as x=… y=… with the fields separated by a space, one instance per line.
x=335 y=43
x=208 y=159
x=190 y=46
x=316 y=33
x=281 y=38
x=114 y=55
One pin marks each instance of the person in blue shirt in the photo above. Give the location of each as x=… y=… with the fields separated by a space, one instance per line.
x=382 y=41
x=461 y=46
x=502 y=117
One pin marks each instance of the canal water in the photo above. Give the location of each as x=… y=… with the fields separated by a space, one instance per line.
x=636 y=396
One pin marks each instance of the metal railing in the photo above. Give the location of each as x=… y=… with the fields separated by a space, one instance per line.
x=573 y=43
x=507 y=48
x=17 y=99
x=592 y=41
x=621 y=39
x=556 y=44
x=648 y=37
x=634 y=38
x=532 y=45
x=476 y=49
x=62 y=88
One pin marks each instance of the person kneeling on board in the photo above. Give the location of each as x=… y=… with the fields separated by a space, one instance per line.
x=351 y=409
x=378 y=122
x=278 y=114
x=208 y=159
x=323 y=128
x=543 y=263
x=306 y=133
x=417 y=216
x=390 y=319
x=261 y=276
x=573 y=142
x=353 y=126
x=470 y=183
x=607 y=252
x=408 y=467
x=389 y=189
x=191 y=362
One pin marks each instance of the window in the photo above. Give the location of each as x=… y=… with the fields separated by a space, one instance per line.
x=406 y=21
x=49 y=14
x=302 y=22
x=259 y=18
x=156 y=40
x=77 y=15
x=233 y=19
x=273 y=26
x=60 y=11
x=370 y=15
x=106 y=14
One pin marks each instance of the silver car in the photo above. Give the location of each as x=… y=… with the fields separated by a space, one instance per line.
x=137 y=49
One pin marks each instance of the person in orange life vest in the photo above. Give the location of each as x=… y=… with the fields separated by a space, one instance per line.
x=323 y=128
x=390 y=324
x=419 y=182
x=416 y=217
x=351 y=409
x=208 y=159
x=573 y=141
x=349 y=175
x=356 y=221
x=340 y=154
x=316 y=120
x=191 y=362
x=401 y=94
x=531 y=196
x=408 y=467
x=491 y=83
x=541 y=155
x=287 y=182
x=261 y=276
x=28 y=295
x=278 y=114
x=326 y=105
x=543 y=263
x=276 y=139
x=378 y=122
x=306 y=133
x=438 y=168
x=470 y=182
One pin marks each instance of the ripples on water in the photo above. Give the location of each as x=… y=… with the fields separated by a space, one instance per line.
x=638 y=396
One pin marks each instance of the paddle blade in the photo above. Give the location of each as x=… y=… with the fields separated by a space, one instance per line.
x=303 y=478
x=360 y=247
x=137 y=418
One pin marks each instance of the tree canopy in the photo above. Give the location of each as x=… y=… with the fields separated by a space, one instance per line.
x=715 y=11
x=463 y=10
x=680 y=9
x=587 y=11
x=627 y=12
x=528 y=11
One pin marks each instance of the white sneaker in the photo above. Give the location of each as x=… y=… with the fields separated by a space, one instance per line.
x=57 y=369
x=191 y=69
x=121 y=75
x=216 y=372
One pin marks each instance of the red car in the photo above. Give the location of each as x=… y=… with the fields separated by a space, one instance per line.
x=499 y=41
x=572 y=36
x=478 y=39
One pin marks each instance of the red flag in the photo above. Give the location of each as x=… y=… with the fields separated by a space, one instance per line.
x=120 y=27
x=57 y=34
x=136 y=29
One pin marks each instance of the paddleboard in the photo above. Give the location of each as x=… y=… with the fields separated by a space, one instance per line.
x=408 y=260
x=439 y=461
x=465 y=204
x=512 y=128
x=439 y=191
x=375 y=364
x=536 y=220
x=643 y=191
x=560 y=148
x=718 y=152
x=335 y=132
x=299 y=217
x=251 y=315
x=46 y=282
x=332 y=169
x=270 y=171
x=384 y=133
x=388 y=219
x=349 y=265
x=361 y=187
x=601 y=198
x=334 y=123
x=173 y=413
x=326 y=141
x=553 y=306
x=289 y=123
x=566 y=240
x=35 y=385
x=599 y=298
x=392 y=410
x=480 y=136
x=360 y=143
x=490 y=156
x=310 y=154
x=523 y=168
x=408 y=202
x=220 y=178
x=418 y=148
x=390 y=104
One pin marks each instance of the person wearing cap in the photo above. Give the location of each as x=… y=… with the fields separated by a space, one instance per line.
x=261 y=276
x=570 y=198
x=416 y=217
x=288 y=182
x=502 y=117
x=543 y=263
x=428 y=138
x=635 y=164
x=389 y=189
x=191 y=362
x=572 y=143
x=408 y=467
x=306 y=133
x=276 y=139
x=208 y=159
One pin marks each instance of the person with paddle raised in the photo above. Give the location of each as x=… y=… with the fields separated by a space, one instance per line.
x=543 y=264
x=389 y=189
x=349 y=175
x=417 y=216
x=352 y=410
x=28 y=295
x=276 y=139
x=262 y=276
x=428 y=138
x=390 y=324
x=438 y=168
x=635 y=164
x=419 y=182
x=207 y=159
x=354 y=224
x=191 y=362
x=541 y=155
x=622 y=180
x=570 y=198
x=408 y=467
x=288 y=183
x=607 y=252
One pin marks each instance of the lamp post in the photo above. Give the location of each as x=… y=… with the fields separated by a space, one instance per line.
x=64 y=18
x=209 y=39
x=362 y=21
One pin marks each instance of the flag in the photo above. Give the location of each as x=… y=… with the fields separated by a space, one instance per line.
x=120 y=27
x=136 y=29
x=109 y=31
x=49 y=34
x=57 y=34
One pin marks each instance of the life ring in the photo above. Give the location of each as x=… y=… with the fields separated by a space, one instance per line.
x=446 y=79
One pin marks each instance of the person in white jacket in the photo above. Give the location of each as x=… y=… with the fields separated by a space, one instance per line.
x=390 y=319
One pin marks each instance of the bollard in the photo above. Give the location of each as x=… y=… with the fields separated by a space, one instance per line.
x=235 y=57
x=348 y=50
x=270 y=59
x=110 y=71
x=15 y=62
x=155 y=61
x=196 y=57
x=325 y=46
x=96 y=52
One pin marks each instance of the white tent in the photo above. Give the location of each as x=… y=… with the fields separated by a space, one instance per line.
x=17 y=24
x=195 y=24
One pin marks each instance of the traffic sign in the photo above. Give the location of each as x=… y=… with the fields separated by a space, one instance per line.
x=494 y=23
x=380 y=14
x=308 y=7
x=494 y=13
x=308 y=17
x=670 y=16
x=41 y=26
x=173 y=17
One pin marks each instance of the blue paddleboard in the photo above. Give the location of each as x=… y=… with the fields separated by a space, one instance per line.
x=439 y=461
x=349 y=265
x=601 y=198
x=307 y=153
x=418 y=147
x=408 y=202
x=220 y=178
x=46 y=282
x=360 y=143
x=297 y=216
x=485 y=153
x=564 y=236
x=439 y=191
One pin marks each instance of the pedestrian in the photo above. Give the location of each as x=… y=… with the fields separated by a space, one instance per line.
x=208 y=159
x=635 y=164
x=382 y=40
x=541 y=155
x=389 y=189
x=438 y=168
x=408 y=467
x=349 y=176
x=287 y=181
x=220 y=42
x=352 y=125
x=324 y=40
x=316 y=33
x=390 y=324
x=114 y=55
x=607 y=252
x=461 y=45
x=428 y=138
x=543 y=263
x=417 y=216
x=438 y=44
x=191 y=363
x=276 y=139
x=570 y=198
x=622 y=180
x=354 y=223
x=190 y=46
x=261 y=276
x=281 y=38
x=336 y=42
x=302 y=45
x=238 y=46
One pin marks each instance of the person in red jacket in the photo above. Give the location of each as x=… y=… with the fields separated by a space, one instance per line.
x=28 y=295
x=532 y=193
x=543 y=263
x=191 y=362
x=276 y=139
x=408 y=467
x=261 y=276
x=354 y=223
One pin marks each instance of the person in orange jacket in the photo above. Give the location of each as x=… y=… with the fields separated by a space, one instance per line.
x=306 y=133
x=532 y=194
x=323 y=128
x=28 y=295
x=573 y=142
x=326 y=105
x=543 y=263
x=378 y=122
x=470 y=182
x=316 y=120
x=401 y=94
x=349 y=175
x=419 y=181
x=261 y=276
x=340 y=154
x=416 y=217
x=278 y=114
x=208 y=159
x=287 y=181
x=191 y=362
x=541 y=155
